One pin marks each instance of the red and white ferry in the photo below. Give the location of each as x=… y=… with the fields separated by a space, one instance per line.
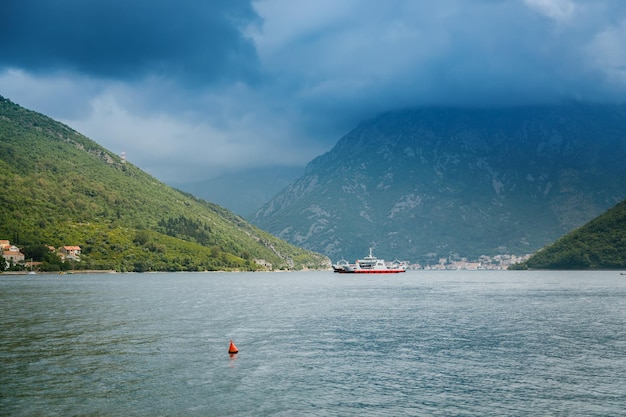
x=370 y=265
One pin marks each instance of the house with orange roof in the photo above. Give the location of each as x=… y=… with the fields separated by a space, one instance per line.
x=70 y=252
x=11 y=253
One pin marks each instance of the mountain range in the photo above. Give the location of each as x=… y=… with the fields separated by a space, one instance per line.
x=417 y=185
x=59 y=188
x=422 y=184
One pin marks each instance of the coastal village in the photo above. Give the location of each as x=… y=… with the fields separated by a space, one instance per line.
x=13 y=257
x=16 y=260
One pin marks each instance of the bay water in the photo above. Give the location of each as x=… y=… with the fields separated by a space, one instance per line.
x=466 y=343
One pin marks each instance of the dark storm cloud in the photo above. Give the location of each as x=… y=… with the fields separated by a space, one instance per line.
x=196 y=41
x=190 y=89
x=454 y=52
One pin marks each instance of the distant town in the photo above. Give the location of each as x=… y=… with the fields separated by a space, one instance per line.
x=484 y=262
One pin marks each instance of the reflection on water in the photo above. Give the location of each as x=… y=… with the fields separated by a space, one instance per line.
x=315 y=343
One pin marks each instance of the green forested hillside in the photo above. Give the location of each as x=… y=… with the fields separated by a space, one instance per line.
x=600 y=244
x=60 y=188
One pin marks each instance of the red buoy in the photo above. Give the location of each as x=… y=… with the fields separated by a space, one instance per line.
x=232 y=349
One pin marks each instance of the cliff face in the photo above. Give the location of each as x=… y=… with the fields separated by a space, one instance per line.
x=429 y=183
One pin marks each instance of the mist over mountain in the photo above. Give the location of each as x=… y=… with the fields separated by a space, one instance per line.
x=244 y=192
x=450 y=182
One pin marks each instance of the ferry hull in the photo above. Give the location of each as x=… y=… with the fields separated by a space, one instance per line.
x=372 y=271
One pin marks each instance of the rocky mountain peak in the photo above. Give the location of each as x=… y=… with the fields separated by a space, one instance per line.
x=456 y=181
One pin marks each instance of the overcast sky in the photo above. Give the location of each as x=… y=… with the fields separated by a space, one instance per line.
x=190 y=89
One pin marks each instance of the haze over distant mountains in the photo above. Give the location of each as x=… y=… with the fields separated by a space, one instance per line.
x=245 y=191
x=442 y=182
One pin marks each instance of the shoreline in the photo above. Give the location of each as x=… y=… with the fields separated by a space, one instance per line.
x=87 y=271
